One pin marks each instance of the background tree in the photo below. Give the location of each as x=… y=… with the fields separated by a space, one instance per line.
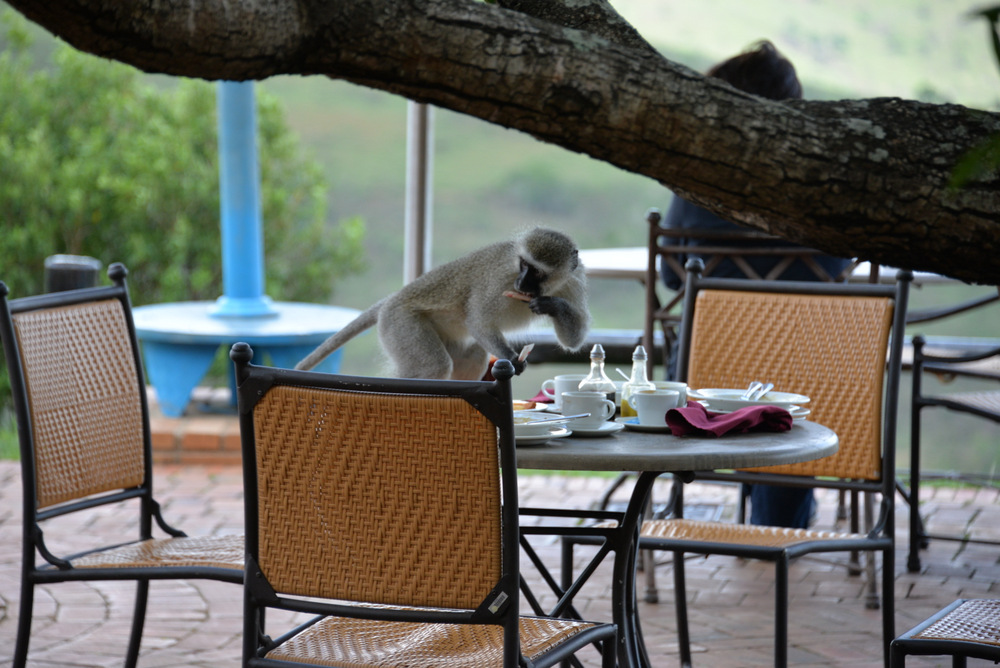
x=95 y=160
x=866 y=178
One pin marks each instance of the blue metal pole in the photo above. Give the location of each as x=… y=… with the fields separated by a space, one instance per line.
x=239 y=189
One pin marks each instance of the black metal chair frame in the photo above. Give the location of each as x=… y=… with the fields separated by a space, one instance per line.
x=500 y=607
x=957 y=365
x=907 y=644
x=60 y=568
x=879 y=537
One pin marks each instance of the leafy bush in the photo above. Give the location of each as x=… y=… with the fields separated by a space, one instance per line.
x=97 y=159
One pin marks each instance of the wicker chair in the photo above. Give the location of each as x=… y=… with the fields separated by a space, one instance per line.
x=389 y=508
x=966 y=628
x=828 y=341
x=79 y=395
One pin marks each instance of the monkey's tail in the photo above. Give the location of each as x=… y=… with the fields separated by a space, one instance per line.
x=364 y=321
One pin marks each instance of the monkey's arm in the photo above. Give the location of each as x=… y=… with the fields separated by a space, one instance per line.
x=569 y=312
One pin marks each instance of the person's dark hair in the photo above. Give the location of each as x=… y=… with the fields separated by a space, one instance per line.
x=761 y=71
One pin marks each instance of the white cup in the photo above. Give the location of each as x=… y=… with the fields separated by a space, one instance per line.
x=652 y=406
x=567 y=382
x=682 y=389
x=595 y=403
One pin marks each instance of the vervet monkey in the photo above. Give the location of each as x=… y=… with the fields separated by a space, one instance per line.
x=447 y=322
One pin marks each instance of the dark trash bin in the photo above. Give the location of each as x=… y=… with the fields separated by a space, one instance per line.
x=70 y=272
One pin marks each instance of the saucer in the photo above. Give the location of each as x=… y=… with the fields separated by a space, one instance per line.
x=606 y=429
x=557 y=432
x=632 y=423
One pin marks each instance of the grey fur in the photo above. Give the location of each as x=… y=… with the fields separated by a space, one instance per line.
x=447 y=322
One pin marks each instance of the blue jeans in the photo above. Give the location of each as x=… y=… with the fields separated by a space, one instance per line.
x=781 y=506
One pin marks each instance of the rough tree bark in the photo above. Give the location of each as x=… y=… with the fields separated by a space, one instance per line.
x=865 y=178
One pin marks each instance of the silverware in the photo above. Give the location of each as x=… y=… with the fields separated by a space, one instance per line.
x=558 y=419
x=751 y=390
x=767 y=387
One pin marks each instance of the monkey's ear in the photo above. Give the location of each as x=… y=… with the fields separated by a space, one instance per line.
x=575 y=260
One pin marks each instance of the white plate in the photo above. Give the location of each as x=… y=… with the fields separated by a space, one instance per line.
x=606 y=429
x=539 y=407
x=632 y=423
x=557 y=432
x=797 y=412
x=729 y=400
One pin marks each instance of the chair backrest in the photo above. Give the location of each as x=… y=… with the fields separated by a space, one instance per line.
x=381 y=491
x=79 y=395
x=748 y=253
x=830 y=341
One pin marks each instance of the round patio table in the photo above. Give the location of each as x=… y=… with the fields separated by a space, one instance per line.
x=651 y=455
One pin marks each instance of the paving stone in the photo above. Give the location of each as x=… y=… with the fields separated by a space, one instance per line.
x=197 y=624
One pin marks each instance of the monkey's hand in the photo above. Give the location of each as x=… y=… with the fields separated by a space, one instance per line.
x=519 y=366
x=545 y=305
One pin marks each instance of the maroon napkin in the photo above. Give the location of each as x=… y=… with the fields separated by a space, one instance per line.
x=696 y=420
x=542 y=398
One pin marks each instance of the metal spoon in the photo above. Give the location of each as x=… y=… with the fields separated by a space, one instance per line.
x=763 y=390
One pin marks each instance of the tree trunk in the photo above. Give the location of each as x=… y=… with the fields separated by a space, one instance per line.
x=866 y=178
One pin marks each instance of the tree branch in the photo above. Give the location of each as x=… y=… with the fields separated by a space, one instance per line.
x=865 y=178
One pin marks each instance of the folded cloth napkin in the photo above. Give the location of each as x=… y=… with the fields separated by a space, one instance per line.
x=542 y=398
x=695 y=419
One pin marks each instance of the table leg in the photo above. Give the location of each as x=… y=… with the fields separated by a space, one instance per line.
x=631 y=651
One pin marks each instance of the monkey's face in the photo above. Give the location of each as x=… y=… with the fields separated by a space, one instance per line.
x=530 y=279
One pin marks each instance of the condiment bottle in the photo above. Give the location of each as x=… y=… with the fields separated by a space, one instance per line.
x=637 y=381
x=597 y=380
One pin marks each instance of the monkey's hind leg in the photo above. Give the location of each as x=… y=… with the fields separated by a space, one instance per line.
x=414 y=346
x=469 y=361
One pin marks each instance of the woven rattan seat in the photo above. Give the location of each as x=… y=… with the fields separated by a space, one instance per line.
x=389 y=507
x=744 y=534
x=362 y=642
x=83 y=424
x=966 y=628
x=831 y=342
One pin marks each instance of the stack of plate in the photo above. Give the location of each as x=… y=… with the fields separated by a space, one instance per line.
x=727 y=401
x=532 y=428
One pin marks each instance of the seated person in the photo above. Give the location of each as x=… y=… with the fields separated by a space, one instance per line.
x=765 y=72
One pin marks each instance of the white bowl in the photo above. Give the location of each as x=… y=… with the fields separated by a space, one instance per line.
x=729 y=400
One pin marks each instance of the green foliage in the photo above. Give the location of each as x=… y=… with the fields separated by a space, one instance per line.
x=96 y=159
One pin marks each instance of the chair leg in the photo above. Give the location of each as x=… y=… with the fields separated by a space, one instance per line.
x=24 y=623
x=897 y=657
x=566 y=563
x=648 y=561
x=854 y=561
x=680 y=606
x=871 y=599
x=609 y=655
x=781 y=612
x=888 y=600
x=917 y=536
x=138 y=622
